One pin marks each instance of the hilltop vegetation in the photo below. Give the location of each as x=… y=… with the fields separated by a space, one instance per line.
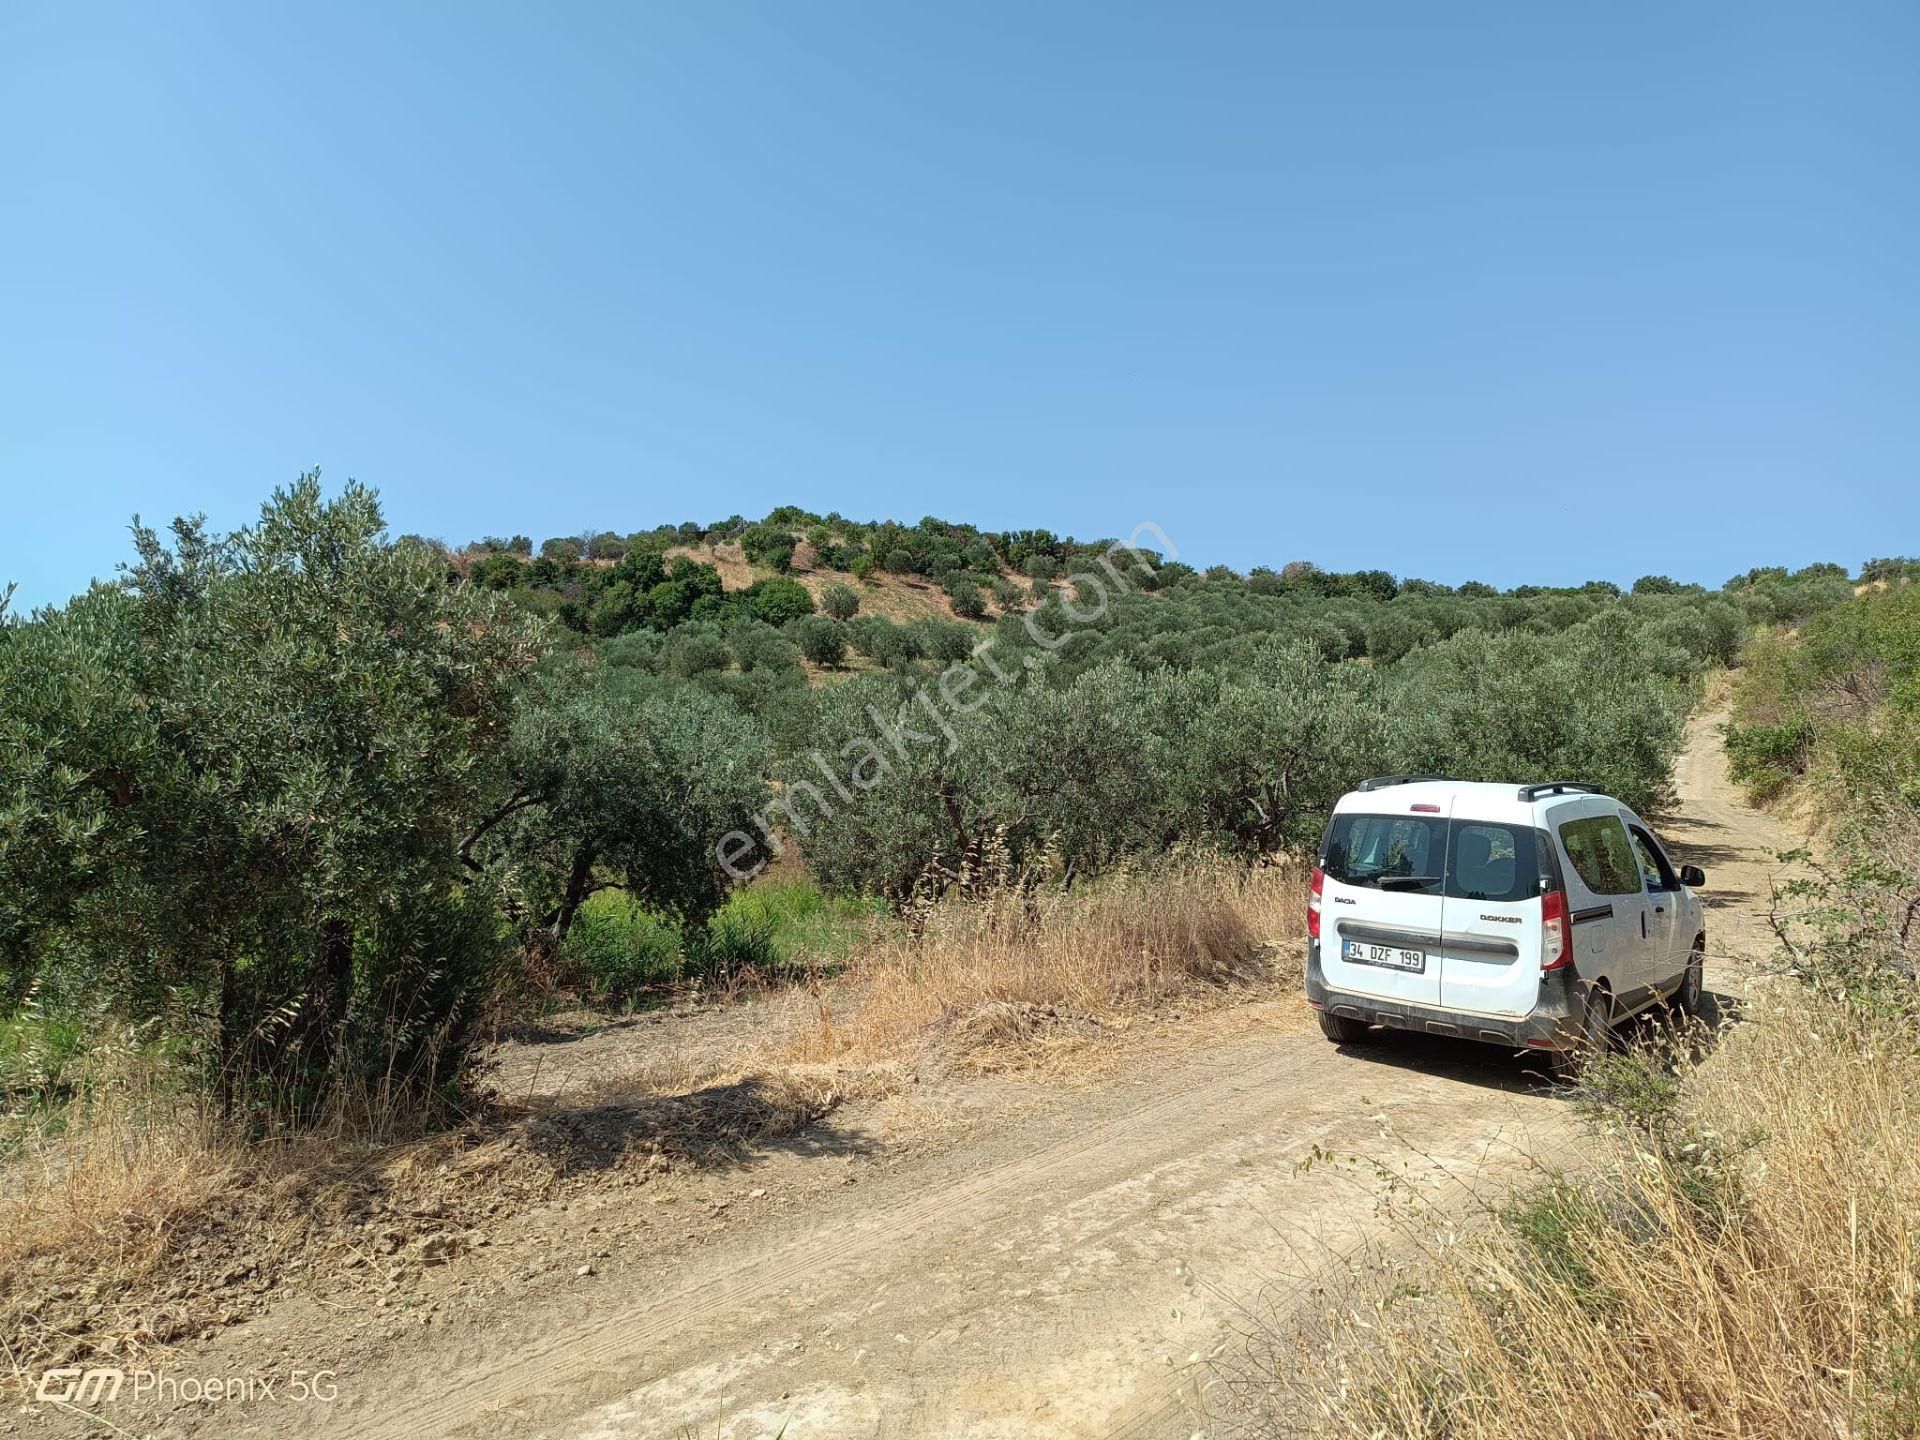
x=301 y=805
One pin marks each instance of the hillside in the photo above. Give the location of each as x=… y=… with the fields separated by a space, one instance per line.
x=902 y=599
x=905 y=588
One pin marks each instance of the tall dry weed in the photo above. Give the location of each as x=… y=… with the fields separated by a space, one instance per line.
x=1018 y=971
x=1740 y=1259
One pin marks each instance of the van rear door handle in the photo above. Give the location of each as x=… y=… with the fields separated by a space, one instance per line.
x=1643 y=924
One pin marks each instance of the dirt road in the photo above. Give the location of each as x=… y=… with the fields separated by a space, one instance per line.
x=1054 y=1280
x=1735 y=844
x=1062 y=1274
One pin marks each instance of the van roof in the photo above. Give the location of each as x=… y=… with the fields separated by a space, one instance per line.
x=1483 y=797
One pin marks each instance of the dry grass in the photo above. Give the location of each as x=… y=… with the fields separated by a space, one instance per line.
x=89 y=1212
x=1742 y=1259
x=131 y=1216
x=132 y=1220
x=1019 y=978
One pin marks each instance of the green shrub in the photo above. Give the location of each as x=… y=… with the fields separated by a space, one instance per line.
x=636 y=650
x=37 y=1054
x=1550 y=1223
x=883 y=642
x=968 y=600
x=693 y=650
x=1764 y=758
x=1842 y=696
x=731 y=944
x=768 y=545
x=821 y=640
x=499 y=571
x=842 y=602
x=777 y=600
x=758 y=646
x=944 y=641
x=616 y=951
x=804 y=922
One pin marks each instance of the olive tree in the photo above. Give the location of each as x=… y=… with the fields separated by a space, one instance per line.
x=898 y=803
x=616 y=779
x=1260 y=754
x=245 y=768
x=1587 y=704
x=821 y=640
x=968 y=600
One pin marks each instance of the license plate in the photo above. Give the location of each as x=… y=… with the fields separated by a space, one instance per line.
x=1391 y=957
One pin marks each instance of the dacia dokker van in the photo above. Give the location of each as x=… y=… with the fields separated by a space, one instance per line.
x=1535 y=917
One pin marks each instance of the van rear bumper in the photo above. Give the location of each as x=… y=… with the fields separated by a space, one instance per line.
x=1554 y=1023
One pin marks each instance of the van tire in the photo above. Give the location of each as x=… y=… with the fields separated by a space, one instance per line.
x=1342 y=1029
x=1596 y=1038
x=1689 y=995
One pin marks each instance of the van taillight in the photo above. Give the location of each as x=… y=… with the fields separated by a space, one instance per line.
x=1556 y=934
x=1313 y=903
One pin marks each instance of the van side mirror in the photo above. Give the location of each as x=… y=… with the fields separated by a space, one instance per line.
x=1692 y=876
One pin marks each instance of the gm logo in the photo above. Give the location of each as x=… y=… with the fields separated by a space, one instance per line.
x=70 y=1385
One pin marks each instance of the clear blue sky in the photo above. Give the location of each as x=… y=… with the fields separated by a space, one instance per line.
x=1510 y=292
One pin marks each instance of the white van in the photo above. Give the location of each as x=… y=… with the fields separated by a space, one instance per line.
x=1533 y=916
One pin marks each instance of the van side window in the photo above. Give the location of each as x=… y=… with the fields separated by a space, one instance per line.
x=1601 y=854
x=1653 y=863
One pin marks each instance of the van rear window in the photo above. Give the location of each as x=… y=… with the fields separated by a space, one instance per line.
x=1387 y=852
x=1414 y=855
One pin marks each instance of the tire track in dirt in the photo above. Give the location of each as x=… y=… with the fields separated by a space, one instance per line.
x=1035 y=1295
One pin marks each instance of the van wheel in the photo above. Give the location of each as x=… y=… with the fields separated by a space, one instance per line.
x=1687 y=999
x=1596 y=1038
x=1342 y=1029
